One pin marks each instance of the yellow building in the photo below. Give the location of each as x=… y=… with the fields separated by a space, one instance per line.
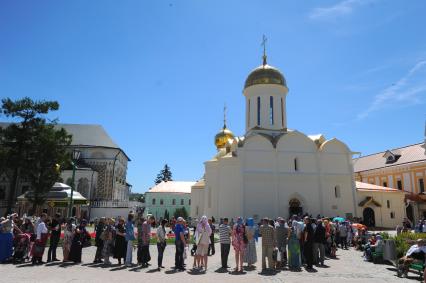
x=403 y=169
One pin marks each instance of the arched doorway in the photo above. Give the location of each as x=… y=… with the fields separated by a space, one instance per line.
x=294 y=207
x=410 y=212
x=369 y=218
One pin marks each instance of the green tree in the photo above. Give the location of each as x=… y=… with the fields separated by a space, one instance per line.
x=166 y=215
x=32 y=147
x=137 y=197
x=164 y=175
x=181 y=212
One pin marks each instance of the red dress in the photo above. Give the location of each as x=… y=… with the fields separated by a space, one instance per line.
x=39 y=245
x=238 y=238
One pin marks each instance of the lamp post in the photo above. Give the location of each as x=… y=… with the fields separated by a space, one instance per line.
x=75 y=156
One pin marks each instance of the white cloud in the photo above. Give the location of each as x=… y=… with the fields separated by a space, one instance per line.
x=406 y=91
x=342 y=8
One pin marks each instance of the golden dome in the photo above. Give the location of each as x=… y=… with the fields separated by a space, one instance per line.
x=265 y=74
x=223 y=137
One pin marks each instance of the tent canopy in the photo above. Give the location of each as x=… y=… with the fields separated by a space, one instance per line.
x=59 y=194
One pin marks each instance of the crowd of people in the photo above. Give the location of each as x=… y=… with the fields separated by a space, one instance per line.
x=293 y=242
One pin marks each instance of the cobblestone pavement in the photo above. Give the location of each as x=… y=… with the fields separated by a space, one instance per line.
x=349 y=267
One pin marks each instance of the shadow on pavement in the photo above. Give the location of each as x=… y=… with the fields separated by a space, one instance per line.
x=237 y=272
x=136 y=268
x=311 y=270
x=196 y=272
x=53 y=263
x=249 y=268
x=221 y=270
x=172 y=271
x=66 y=264
x=121 y=267
x=25 y=265
x=268 y=272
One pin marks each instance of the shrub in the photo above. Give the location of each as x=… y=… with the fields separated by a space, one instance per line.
x=403 y=241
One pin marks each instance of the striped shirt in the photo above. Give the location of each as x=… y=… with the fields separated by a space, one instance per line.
x=225 y=234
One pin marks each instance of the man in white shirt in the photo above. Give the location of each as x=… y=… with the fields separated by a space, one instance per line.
x=40 y=243
x=416 y=253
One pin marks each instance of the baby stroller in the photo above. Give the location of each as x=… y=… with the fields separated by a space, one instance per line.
x=22 y=248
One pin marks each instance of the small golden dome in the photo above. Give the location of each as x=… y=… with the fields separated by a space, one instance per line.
x=221 y=138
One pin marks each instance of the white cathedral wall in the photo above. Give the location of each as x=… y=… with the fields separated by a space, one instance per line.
x=197 y=203
x=341 y=205
x=271 y=180
x=222 y=193
x=262 y=179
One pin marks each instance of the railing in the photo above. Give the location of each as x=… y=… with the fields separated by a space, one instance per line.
x=109 y=203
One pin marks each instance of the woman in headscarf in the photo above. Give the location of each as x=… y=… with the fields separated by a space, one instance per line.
x=203 y=237
x=293 y=248
x=68 y=236
x=120 y=246
x=239 y=244
x=99 y=243
x=251 y=233
x=108 y=239
x=80 y=237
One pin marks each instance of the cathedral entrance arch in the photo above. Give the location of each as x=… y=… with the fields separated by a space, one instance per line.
x=294 y=207
x=369 y=218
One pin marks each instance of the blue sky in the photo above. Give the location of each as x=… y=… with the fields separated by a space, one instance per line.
x=156 y=74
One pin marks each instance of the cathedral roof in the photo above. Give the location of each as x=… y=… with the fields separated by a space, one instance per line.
x=365 y=187
x=86 y=135
x=265 y=74
x=94 y=135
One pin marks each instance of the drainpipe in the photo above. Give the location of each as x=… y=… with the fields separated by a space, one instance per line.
x=91 y=194
x=113 y=170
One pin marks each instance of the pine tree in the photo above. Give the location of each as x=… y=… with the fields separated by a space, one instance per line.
x=166 y=215
x=31 y=147
x=164 y=175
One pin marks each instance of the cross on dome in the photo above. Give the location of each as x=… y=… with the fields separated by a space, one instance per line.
x=264 y=40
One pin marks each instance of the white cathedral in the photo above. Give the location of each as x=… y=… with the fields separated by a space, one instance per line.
x=272 y=170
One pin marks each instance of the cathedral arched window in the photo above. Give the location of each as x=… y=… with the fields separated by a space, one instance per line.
x=173 y=202
x=337 y=191
x=258 y=110
x=282 y=112
x=271 y=110
x=296 y=164
x=153 y=201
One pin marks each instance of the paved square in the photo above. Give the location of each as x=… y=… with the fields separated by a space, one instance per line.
x=349 y=267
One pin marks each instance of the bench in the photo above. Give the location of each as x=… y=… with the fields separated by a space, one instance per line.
x=418 y=268
x=377 y=257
